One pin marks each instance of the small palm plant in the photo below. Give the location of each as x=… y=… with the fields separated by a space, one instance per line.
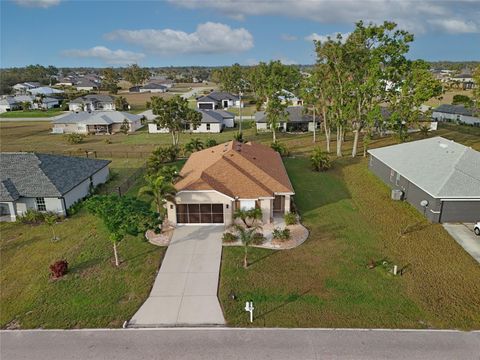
x=193 y=145
x=51 y=220
x=160 y=189
x=246 y=231
x=424 y=131
x=320 y=160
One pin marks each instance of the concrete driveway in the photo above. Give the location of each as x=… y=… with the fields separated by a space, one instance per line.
x=185 y=290
x=464 y=235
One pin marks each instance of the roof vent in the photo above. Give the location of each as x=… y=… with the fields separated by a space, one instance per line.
x=443 y=146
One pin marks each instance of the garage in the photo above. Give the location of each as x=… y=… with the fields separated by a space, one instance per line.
x=200 y=214
x=460 y=211
x=206 y=106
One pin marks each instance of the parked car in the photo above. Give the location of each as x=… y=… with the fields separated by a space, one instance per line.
x=476 y=228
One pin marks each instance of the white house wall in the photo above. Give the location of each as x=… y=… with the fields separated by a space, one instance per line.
x=471 y=120
x=83 y=189
x=229 y=123
x=202 y=128
x=153 y=129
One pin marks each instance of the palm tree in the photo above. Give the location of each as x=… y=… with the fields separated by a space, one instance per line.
x=248 y=217
x=247 y=230
x=160 y=189
x=193 y=145
x=51 y=220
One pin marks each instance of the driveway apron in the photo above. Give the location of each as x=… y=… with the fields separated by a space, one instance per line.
x=185 y=289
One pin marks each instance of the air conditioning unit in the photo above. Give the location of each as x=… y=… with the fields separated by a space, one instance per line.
x=397 y=194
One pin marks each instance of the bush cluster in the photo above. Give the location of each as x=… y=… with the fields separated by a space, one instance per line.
x=74 y=138
x=34 y=217
x=229 y=237
x=58 y=269
x=290 y=218
x=280 y=148
x=282 y=235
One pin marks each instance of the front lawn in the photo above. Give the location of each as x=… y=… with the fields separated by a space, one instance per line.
x=94 y=293
x=31 y=114
x=326 y=282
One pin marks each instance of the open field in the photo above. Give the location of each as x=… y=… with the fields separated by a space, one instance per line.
x=447 y=98
x=36 y=136
x=94 y=293
x=326 y=282
x=30 y=114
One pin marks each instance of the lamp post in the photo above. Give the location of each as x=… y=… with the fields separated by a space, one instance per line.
x=240 y=110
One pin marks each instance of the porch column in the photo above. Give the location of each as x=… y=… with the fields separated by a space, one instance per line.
x=171 y=212
x=287 y=204
x=267 y=210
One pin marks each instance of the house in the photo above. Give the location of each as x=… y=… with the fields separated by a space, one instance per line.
x=213 y=121
x=21 y=88
x=439 y=177
x=219 y=180
x=46 y=182
x=162 y=80
x=44 y=90
x=298 y=120
x=8 y=103
x=456 y=113
x=96 y=122
x=86 y=85
x=153 y=88
x=218 y=100
x=92 y=102
x=135 y=89
x=288 y=97
x=466 y=80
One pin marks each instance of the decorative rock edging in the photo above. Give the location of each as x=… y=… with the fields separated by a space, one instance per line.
x=163 y=238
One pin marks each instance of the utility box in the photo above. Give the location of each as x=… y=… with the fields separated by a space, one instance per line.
x=397 y=194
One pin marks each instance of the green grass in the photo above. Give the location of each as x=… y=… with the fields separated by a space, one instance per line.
x=94 y=293
x=30 y=114
x=326 y=283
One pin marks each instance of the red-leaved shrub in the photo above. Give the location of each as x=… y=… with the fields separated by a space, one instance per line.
x=59 y=268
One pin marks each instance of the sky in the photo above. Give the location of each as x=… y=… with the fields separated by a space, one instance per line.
x=219 y=32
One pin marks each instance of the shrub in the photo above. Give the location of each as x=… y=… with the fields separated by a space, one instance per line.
x=290 y=218
x=75 y=208
x=320 y=160
x=210 y=143
x=229 y=237
x=160 y=156
x=258 y=239
x=74 y=138
x=282 y=235
x=280 y=148
x=125 y=127
x=58 y=269
x=31 y=216
x=238 y=136
x=107 y=141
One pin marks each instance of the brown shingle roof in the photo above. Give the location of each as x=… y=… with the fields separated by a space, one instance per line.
x=247 y=171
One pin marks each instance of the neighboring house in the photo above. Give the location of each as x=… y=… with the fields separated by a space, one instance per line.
x=46 y=182
x=135 y=89
x=288 y=97
x=456 y=113
x=21 y=88
x=44 y=90
x=66 y=81
x=298 y=120
x=153 y=88
x=219 y=180
x=92 y=102
x=466 y=80
x=95 y=122
x=439 y=177
x=86 y=85
x=218 y=100
x=8 y=103
x=213 y=121
x=161 y=80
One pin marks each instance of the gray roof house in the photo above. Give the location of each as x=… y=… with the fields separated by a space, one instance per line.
x=95 y=122
x=456 y=114
x=213 y=121
x=46 y=182
x=439 y=177
x=153 y=87
x=218 y=100
x=298 y=120
x=86 y=84
x=92 y=102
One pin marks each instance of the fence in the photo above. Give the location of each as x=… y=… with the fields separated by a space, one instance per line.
x=123 y=188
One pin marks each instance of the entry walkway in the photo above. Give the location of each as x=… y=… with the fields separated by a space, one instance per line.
x=185 y=290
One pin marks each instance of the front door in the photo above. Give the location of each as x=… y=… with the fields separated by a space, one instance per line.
x=278 y=202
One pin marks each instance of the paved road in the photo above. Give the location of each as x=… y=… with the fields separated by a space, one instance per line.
x=225 y=344
x=465 y=237
x=185 y=290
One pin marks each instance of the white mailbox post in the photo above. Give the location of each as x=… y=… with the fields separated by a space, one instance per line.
x=249 y=307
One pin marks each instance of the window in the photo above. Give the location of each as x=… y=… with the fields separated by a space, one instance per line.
x=392 y=174
x=397 y=179
x=208 y=127
x=247 y=204
x=40 y=204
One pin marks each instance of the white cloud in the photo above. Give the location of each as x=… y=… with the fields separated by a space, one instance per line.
x=413 y=15
x=323 y=38
x=112 y=57
x=208 y=38
x=456 y=26
x=37 y=3
x=288 y=37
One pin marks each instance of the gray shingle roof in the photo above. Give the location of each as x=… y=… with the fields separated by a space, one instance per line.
x=218 y=96
x=154 y=86
x=100 y=117
x=295 y=115
x=86 y=83
x=441 y=167
x=43 y=175
x=454 y=109
x=215 y=116
x=93 y=98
